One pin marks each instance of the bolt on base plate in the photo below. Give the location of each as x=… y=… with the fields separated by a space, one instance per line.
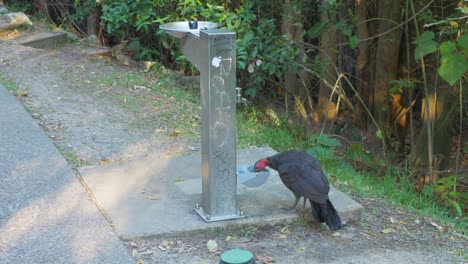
x=208 y=218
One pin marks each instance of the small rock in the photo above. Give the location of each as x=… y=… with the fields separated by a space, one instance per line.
x=3 y=10
x=92 y=38
x=16 y=19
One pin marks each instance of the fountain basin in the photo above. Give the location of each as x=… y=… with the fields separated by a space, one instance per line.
x=181 y=29
x=249 y=178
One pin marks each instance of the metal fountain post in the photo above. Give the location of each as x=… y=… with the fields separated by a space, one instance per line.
x=213 y=52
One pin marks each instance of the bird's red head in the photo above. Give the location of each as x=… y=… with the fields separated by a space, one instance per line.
x=260 y=165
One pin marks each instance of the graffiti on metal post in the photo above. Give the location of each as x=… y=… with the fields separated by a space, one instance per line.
x=224 y=102
x=222 y=110
x=222 y=170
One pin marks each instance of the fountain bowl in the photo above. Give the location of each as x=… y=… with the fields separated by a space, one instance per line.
x=181 y=29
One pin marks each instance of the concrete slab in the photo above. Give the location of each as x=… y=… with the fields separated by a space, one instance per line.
x=44 y=40
x=156 y=196
x=45 y=214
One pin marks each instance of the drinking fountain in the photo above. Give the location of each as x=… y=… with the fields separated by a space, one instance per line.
x=213 y=52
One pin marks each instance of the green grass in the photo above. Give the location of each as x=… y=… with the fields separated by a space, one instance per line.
x=252 y=131
x=161 y=104
x=395 y=187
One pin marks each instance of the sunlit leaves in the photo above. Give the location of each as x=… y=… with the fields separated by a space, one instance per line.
x=452 y=64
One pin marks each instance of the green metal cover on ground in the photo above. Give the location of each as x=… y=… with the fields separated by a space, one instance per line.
x=237 y=256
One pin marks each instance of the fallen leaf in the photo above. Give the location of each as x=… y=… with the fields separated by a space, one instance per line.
x=104 y=161
x=146 y=252
x=191 y=249
x=162 y=247
x=391 y=220
x=179 y=179
x=22 y=94
x=336 y=234
x=152 y=198
x=285 y=230
x=175 y=133
x=439 y=227
x=387 y=230
x=133 y=244
x=139 y=87
x=370 y=234
x=281 y=237
x=265 y=259
x=301 y=248
x=230 y=238
x=212 y=245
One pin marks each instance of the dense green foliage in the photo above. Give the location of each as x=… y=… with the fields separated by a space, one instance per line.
x=262 y=52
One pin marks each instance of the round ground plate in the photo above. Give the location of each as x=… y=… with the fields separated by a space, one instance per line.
x=237 y=256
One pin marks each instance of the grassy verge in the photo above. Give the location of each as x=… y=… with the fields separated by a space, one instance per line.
x=395 y=187
x=162 y=103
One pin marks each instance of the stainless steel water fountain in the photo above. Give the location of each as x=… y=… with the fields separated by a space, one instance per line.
x=213 y=52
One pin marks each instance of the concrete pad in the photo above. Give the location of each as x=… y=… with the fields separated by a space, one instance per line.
x=45 y=40
x=156 y=196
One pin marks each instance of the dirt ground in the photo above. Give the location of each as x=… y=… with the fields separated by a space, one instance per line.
x=68 y=92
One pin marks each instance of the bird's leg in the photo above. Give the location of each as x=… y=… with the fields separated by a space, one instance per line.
x=298 y=197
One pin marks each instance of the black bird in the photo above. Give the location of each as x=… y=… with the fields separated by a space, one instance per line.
x=303 y=175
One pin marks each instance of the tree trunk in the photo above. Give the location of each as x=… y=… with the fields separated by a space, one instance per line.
x=442 y=109
x=386 y=68
x=92 y=24
x=297 y=82
x=362 y=69
x=328 y=58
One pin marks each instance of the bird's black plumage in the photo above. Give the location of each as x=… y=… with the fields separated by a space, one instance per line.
x=302 y=174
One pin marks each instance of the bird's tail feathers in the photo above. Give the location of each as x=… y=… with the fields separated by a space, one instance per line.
x=326 y=213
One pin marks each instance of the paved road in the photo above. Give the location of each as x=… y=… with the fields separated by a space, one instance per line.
x=45 y=214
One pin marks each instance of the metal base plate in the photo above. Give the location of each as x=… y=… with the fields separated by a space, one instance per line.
x=208 y=218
